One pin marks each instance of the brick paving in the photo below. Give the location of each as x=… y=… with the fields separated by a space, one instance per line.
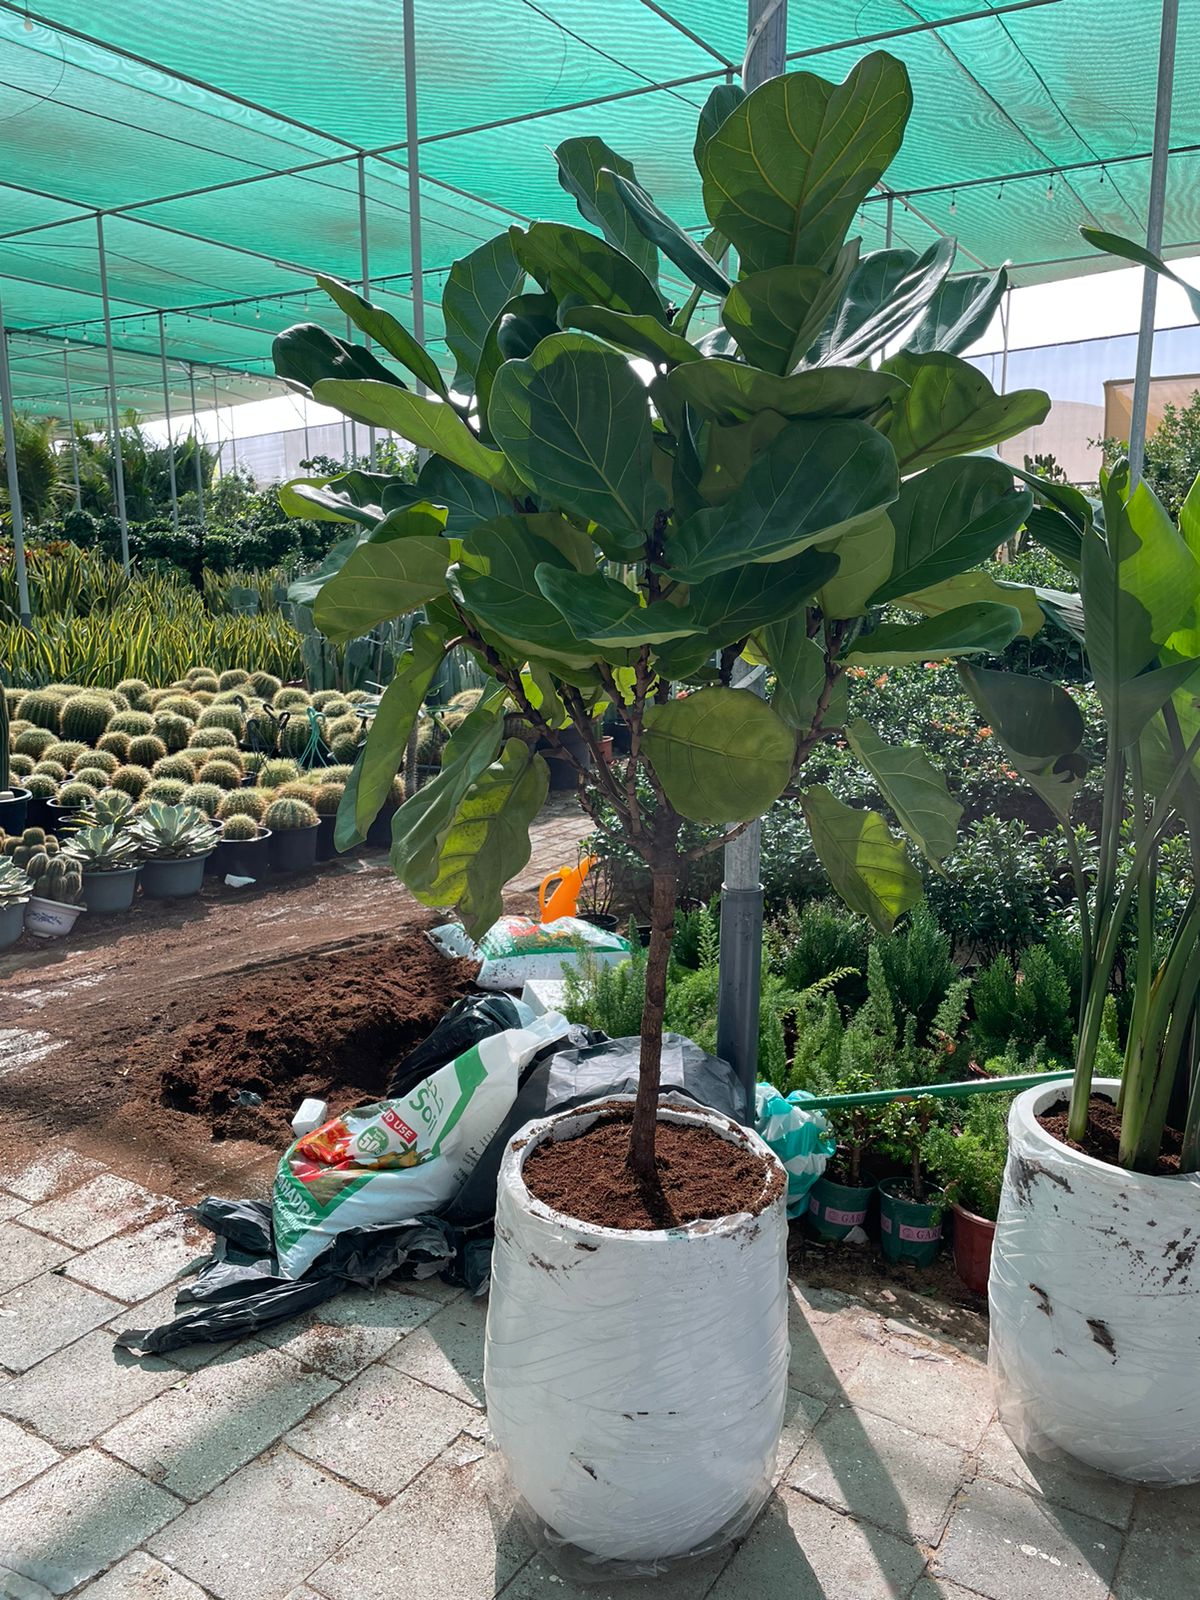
x=346 y=1453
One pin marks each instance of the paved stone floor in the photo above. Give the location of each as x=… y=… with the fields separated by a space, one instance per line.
x=345 y=1454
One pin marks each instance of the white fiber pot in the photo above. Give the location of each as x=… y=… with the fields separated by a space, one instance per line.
x=49 y=919
x=1095 y=1306
x=636 y=1379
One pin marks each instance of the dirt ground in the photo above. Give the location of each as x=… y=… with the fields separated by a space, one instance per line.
x=141 y=1036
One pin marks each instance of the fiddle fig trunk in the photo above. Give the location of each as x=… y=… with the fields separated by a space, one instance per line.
x=664 y=882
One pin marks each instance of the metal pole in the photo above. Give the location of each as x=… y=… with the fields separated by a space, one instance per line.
x=887 y=228
x=233 y=437
x=366 y=268
x=1005 y=314
x=217 y=426
x=114 y=418
x=71 y=428
x=740 y=973
x=14 y=487
x=162 y=352
x=413 y=158
x=1154 y=233
x=196 y=446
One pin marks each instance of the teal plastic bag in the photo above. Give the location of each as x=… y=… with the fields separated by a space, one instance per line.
x=801 y=1139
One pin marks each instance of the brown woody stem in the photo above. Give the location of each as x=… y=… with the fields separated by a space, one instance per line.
x=645 y=1111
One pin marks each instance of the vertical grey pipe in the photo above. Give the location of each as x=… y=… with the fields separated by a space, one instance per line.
x=71 y=428
x=14 y=487
x=365 y=257
x=113 y=412
x=162 y=356
x=196 y=452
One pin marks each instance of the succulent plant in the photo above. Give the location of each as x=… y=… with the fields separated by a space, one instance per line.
x=91 y=777
x=272 y=773
x=243 y=803
x=172 y=832
x=20 y=766
x=14 y=698
x=5 y=774
x=225 y=774
x=165 y=791
x=136 y=692
x=262 y=728
x=41 y=785
x=76 y=796
x=104 y=847
x=182 y=705
x=265 y=684
x=330 y=702
x=205 y=797
x=103 y=760
x=132 y=723
x=287 y=815
x=297 y=789
x=290 y=698
x=59 y=879
x=253 y=761
x=86 y=716
x=466 y=699
x=20 y=847
x=146 y=749
x=42 y=707
x=51 y=769
x=115 y=743
x=206 y=682
x=34 y=742
x=240 y=697
x=358 y=697
x=232 y=678
x=326 y=798
x=213 y=738
x=15 y=883
x=177 y=766
x=203 y=697
x=131 y=780
x=296 y=735
x=65 y=751
x=241 y=827
x=174 y=730
x=228 y=719
x=112 y=805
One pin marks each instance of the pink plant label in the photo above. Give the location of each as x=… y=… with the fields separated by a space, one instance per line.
x=840 y=1219
x=913 y=1235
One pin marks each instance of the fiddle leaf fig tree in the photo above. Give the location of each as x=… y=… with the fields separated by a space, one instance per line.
x=623 y=511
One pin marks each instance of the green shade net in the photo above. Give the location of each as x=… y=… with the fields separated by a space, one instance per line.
x=222 y=142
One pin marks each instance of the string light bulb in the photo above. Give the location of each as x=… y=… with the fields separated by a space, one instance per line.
x=953 y=202
x=1050 y=190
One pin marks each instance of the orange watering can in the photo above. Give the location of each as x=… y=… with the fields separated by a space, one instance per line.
x=562 y=901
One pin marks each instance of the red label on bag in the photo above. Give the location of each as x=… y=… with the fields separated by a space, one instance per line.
x=398 y=1126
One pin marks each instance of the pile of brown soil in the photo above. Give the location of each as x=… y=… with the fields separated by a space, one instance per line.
x=699 y=1175
x=1102 y=1137
x=329 y=1026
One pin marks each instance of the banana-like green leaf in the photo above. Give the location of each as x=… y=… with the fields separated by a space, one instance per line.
x=601 y=610
x=885 y=292
x=389 y=732
x=775 y=315
x=641 y=336
x=420 y=826
x=1082 y=509
x=721 y=755
x=693 y=261
x=722 y=99
x=346 y=832
x=306 y=354
x=788 y=168
x=381 y=326
x=568 y=261
x=1040 y=727
x=495 y=583
x=815 y=479
x=431 y=424
x=1157 y=567
x=959 y=313
x=950 y=409
x=730 y=605
x=380 y=581
x=729 y=392
x=1057 y=533
x=574 y=420
x=913 y=787
x=1115 y=245
x=581 y=164
x=477 y=287
x=969 y=587
x=488 y=841
x=866 y=865
x=865 y=554
x=970 y=630
x=467 y=499
x=304 y=591
x=949 y=519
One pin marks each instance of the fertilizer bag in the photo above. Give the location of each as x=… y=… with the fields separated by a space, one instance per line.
x=396 y=1159
x=515 y=949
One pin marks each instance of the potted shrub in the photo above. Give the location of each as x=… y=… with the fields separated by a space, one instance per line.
x=107 y=854
x=910 y=1208
x=244 y=850
x=969 y=1164
x=14 y=798
x=629 y=518
x=325 y=798
x=15 y=890
x=56 y=884
x=174 y=842
x=293 y=826
x=74 y=799
x=841 y=1198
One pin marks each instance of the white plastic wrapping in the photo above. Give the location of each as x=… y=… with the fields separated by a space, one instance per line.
x=636 y=1380
x=1095 y=1306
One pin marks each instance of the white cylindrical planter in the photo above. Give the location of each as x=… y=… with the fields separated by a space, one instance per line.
x=636 y=1379
x=1095 y=1306
x=49 y=919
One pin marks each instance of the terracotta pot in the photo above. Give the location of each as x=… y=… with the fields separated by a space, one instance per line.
x=973 y=1237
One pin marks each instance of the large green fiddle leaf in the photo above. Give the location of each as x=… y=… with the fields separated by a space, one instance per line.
x=319 y=499
x=1040 y=727
x=885 y=292
x=640 y=336
x=721 y=755
x=468 y=500
x=729 y=454
x=865 y=554
x=574 y=420
x=383 y=754
x=306 y=354
x=950 y=518
x=691 y=259
x=494 y=582
x=913 y=787
x=950 y=409
x=381 y=326
x=730 y=605
x=729 y=392
x=487 y=842
x=969 y=587
x=522 y=324
x=477 y=287
x=570 y=261
x=775 y=315
x=868 y=868
x=602 y=611
x=430 y=424
x=974 y=629
x=722 y=99
x=420 y=826
x=304 y=591
x=1115 y=245
x=803 y=687
x=789 y=166
x=959 y=313
x=586 y=167
x=814 y=480
x=381 y=581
